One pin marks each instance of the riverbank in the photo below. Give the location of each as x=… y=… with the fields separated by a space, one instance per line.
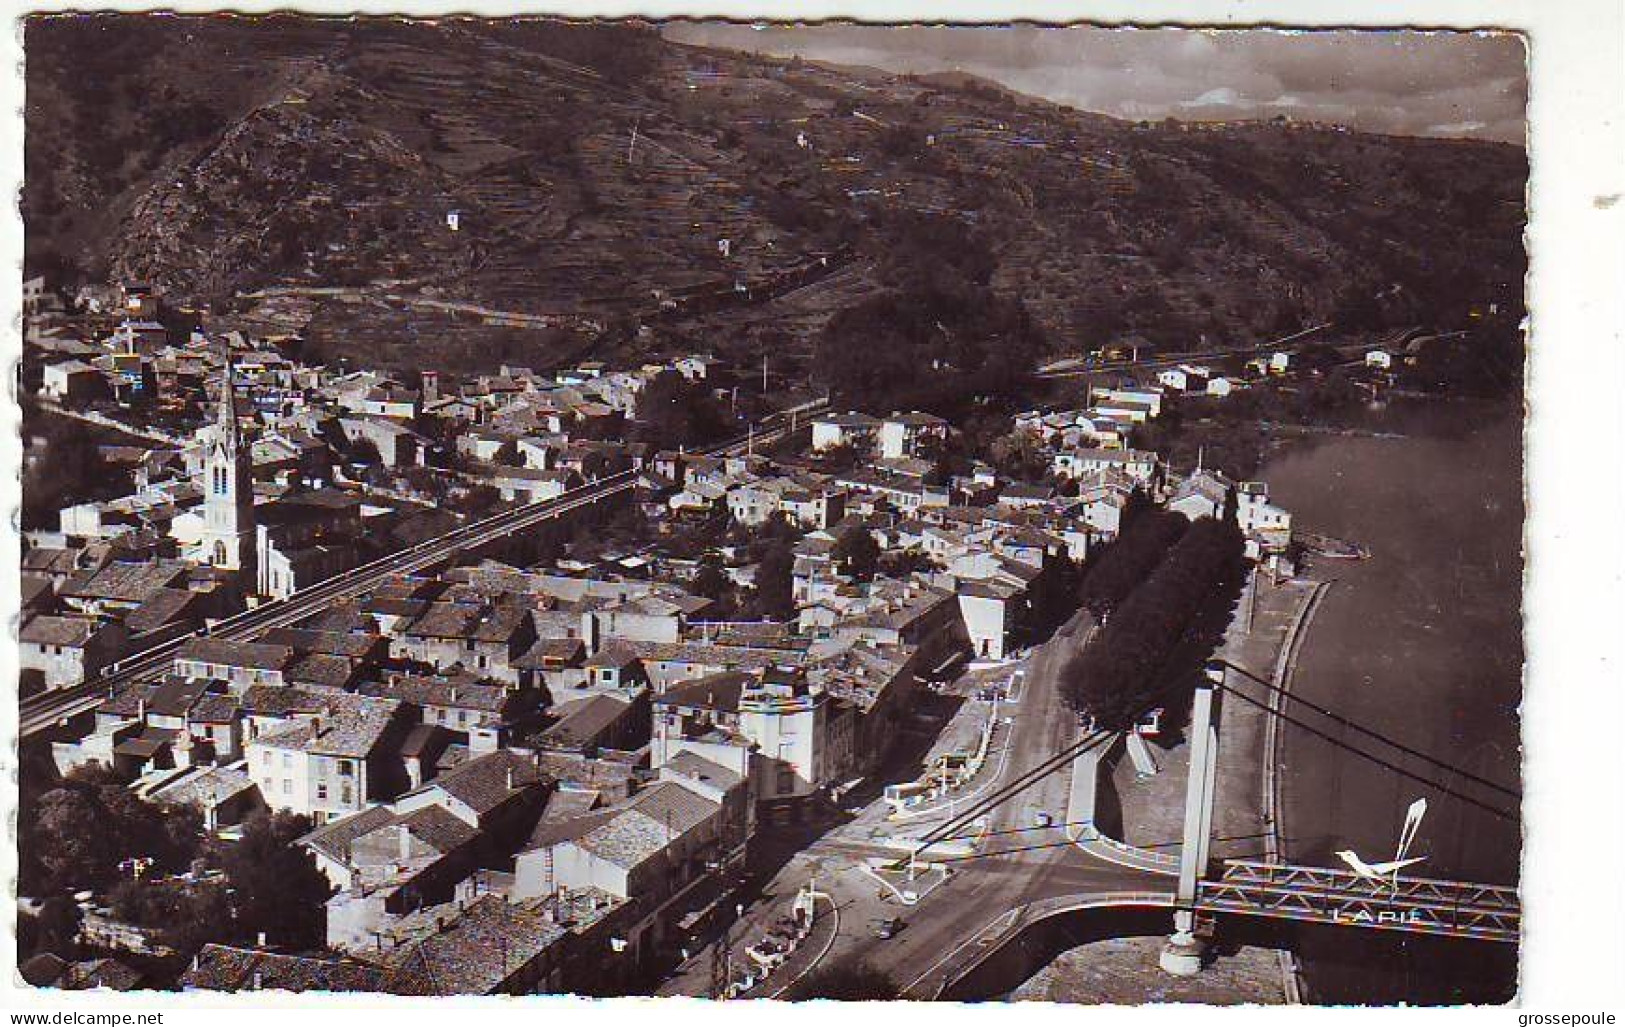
x=1422 y=643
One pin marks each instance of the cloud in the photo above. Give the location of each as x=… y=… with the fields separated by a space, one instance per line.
x=1402 y=81
x=1224 y=96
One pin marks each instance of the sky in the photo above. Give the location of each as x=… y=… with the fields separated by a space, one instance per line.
x=1445 y=84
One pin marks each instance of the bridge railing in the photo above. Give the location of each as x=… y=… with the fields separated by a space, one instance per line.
x=1414 y=904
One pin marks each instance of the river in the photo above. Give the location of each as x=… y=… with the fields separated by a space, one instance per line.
x=1422 y=643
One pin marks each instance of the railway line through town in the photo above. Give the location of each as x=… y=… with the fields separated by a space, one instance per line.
x=46 y=711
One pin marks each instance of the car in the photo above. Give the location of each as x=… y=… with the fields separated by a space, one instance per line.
x=889 y=927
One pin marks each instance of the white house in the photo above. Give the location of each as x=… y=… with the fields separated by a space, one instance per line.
x=70 y=380
x=67 y=650
x=1185 y=378
x=1259 y=518
x=906 y=435
x=331 y=764
x=1151 y=398
x=1140 y=465
x=848 y=429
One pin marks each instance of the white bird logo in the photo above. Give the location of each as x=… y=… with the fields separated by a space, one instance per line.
x=1391 y=869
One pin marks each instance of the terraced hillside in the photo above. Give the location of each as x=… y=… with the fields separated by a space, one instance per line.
x=602 y=177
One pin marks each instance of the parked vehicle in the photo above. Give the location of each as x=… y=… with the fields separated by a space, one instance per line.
x=888 y=928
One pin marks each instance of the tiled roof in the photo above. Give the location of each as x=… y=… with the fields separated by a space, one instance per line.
x=163 y=607
x=434 y=826
x=551 y=650
x=175 y=698
x=210 y=787
x=475 y=955
x=713 y=692
x=483 y=783
x=67 y=631
x=213 y=709
x=321 y=670
x=334 y=838
x=124 y=582
x=352 y=645
x=227 y=968
x=647 y=823
x=253 y=655
x=269 y=700
x=422 y=691
x=568 y=827
x=347 y=726
x=583 y=720
x=692 y=765
x=96 y=974
x=570 y=801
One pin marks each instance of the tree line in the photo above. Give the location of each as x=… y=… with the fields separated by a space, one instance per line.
x=1145 y=537
x=1120 y=672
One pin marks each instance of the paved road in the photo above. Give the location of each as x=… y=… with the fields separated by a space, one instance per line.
x=1017 y=862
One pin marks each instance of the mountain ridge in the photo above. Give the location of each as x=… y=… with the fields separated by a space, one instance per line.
x=604 y=178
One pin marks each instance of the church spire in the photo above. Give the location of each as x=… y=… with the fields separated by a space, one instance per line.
x=226 y=415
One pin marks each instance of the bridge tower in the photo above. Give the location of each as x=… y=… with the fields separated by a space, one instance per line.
x=1184 y=952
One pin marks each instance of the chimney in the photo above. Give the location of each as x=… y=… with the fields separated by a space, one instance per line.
x=510 y=779
x=259 y=940
x=405 y=836
x=259 y=981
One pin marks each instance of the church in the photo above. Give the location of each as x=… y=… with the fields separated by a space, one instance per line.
x=227 y=539
x=277 y=547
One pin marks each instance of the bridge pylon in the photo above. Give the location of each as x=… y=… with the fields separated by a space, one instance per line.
x=1185 y=951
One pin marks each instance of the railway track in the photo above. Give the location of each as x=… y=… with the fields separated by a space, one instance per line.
x=48 y=710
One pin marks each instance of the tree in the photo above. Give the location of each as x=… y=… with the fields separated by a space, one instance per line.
x=1119 y=674
x=278 y=889
x=929 y=346
x=68 y=842
x=673 y=412
x=85 y=827
x=840 y=457
x=186 y=916
x=1142 y=542
x=856 y=553
x=710 y=580
x=56 y=928
x=850 y=980
x=1017 y=455
x=775 y=587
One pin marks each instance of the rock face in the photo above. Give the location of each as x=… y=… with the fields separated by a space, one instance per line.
x=600 y=173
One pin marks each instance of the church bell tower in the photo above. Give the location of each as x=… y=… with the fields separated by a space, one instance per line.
x=228 y=490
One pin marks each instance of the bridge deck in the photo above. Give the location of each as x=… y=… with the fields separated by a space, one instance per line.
x=1414 y=904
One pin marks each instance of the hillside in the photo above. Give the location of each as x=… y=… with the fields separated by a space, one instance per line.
x=604 y=178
